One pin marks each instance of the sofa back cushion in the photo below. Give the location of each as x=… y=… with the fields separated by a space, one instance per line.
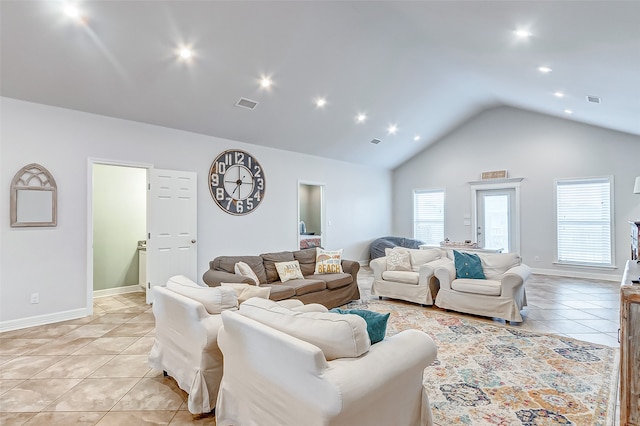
x=307 y=260
x=214 y=299
x=418 y=257
x=228 y=263
x=338 y=336
x=495 y=265
x=270 y=259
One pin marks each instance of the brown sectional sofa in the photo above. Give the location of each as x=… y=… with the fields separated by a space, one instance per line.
x=330 y=290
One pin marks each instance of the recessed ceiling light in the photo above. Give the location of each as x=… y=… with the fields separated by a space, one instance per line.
x=568 y=111
x=392 y=129
x=361 y=117
x=321 y=102
x=544 y=70
x=522 y=33
x=416 y=138
x=185 y=53
x=265 y=82
x=71 y=11
x=558 y=94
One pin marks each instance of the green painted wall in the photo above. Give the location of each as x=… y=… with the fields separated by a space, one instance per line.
x=119 y=221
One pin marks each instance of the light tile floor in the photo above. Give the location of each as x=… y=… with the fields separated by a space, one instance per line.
x=93 y=371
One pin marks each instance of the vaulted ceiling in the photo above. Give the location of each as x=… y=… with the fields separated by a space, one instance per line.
x=424 y=67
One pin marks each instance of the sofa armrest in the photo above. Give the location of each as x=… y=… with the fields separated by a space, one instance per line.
x=213 y=278
x=446 y=273
x=351 y=267
x=514 y=278
x=428 y=270
x=379 y=265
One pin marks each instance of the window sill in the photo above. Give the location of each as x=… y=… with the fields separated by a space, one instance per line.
x=585 y=265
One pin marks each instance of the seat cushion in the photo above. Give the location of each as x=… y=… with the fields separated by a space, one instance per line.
x=337 y=336
x=270 y=260
x=404 y=277
x=280 y=291
x=334 y=280
x=486 y=287
x=304 y=286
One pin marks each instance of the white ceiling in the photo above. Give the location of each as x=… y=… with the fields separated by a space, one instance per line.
x=425 y=66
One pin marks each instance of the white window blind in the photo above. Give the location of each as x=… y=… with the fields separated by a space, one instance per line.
x=584 y=221
x=428 y=216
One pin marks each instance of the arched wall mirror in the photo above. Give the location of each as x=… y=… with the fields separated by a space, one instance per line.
x=34 y=197
x=310 y=215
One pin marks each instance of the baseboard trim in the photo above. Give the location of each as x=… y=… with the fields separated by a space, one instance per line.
x=42 y=319
x=116 y=290
x=577 y=274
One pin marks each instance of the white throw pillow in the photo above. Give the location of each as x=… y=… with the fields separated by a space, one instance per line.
x=247 y=291
x=214 y=299
x=241 y=268
x=398 y=261
x=289 y=271
x=328 y=262
x=337 y=336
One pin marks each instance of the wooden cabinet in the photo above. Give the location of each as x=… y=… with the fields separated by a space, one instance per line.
x=635 y=254
x=630 y=346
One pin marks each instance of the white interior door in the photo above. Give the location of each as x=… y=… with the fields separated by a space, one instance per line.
x=172 y=227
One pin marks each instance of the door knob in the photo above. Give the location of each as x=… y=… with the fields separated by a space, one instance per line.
x=193 y=241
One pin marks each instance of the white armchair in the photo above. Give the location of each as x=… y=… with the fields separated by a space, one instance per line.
x=501 y=295
x=273 y=378
x=415 y=282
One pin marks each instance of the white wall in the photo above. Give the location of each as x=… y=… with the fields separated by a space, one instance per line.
x=119 y=221
x=537 y=148
x=52 y=261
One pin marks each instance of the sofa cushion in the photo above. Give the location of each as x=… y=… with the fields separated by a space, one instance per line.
x=245 y=270
x=328 y=261
x=337 y=336
x=182 y=280
x=289 y=271
x=214 y=299
x=376 y=322
x=228 y=264
x=307 y=260
x=495 y=265
x=418 y=257
x=468 y=265
x=305 y=286
x=334 y=280
x=270 y=260
x=486 y=287
x=246 y=291
x=405 y=277
x=280 y=291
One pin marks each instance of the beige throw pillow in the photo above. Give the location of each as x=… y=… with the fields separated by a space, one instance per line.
x=398 y=261
x=328 y=262
x=245 y=270
x=289 y=271
x=247 y=291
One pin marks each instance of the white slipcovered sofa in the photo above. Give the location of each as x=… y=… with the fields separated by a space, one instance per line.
x=501 y=295
x=413 y=282
x=290 y=368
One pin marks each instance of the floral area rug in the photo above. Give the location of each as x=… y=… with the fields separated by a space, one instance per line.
x=488 y=374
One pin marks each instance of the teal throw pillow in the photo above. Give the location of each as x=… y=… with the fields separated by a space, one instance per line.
x=468 y=265
x=376 y=322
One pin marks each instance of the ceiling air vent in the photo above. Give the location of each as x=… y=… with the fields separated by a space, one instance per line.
x=247 y=103
x=594 y=99
x=375 y=141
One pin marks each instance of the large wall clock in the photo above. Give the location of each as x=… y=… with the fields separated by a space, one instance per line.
x=236 y=182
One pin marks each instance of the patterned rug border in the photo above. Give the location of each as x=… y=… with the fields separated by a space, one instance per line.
x=430 y=312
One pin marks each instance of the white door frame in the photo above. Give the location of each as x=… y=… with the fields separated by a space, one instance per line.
x=90 y=163
x=512 y=183
x=323 y=227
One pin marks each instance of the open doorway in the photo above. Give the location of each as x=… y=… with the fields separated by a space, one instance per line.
x=310 y=215
x=117 y=222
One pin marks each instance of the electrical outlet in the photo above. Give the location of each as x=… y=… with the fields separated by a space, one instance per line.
x=35 y=298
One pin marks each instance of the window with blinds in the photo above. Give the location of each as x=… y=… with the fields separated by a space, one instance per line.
x=584 y=212
x=428 y=216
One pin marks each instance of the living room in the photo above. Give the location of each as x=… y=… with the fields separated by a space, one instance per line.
x=366 y=196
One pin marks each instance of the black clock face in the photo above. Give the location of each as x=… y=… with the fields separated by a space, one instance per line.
x=236 y=182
